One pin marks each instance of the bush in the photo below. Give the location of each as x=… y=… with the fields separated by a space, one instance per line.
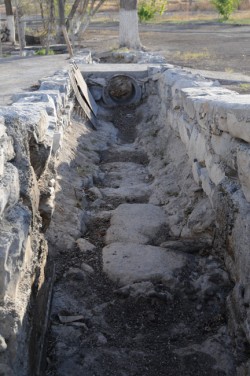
x=149 y=8
x=225 y=7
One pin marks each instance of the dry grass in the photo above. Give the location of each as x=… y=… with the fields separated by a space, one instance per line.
x=192 y=56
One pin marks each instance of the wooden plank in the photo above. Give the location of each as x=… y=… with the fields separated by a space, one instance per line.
x=66 y=37
x=81 y=101
x=84 y=89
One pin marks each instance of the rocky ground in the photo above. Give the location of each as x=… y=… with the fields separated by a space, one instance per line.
x=130 y=297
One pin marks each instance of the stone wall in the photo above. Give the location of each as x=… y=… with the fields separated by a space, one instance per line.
x=31 y=131
x=213 y=124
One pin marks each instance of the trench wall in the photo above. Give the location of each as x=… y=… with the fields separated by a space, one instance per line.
x=31 y=131
x=213 y=124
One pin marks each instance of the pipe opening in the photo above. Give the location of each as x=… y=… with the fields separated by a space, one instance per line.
x=121 y=90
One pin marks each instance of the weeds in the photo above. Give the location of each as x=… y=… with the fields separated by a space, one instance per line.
x=189 y=55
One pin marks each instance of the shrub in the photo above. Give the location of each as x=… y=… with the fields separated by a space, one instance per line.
x=225 y=7
x=149 y=8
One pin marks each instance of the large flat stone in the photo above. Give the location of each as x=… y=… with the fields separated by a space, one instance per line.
x=136 y=223
x=129 y=263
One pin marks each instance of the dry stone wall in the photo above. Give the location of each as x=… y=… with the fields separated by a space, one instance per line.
x=31 y=131
x=213 y=124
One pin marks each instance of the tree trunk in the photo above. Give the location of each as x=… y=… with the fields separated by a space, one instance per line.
x=10 y=20
x=61 y=11
x=128 y=29
x=72 y=13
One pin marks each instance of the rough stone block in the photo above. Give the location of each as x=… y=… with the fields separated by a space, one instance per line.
x=201 y=147
x=2 y=127
x=225 y=146
x=33 y=119
x=206 y=183
x=202 y=217
x=44 y=99
x=185 y=130
x=58 y=98
x=57 y=141
x=60 y=85
x=9 y=188
x=196 y=170
x=13 y=241
x=6 y=144
x=6 y=151
x=2 y=161
x=232 y=114
x=215 y=168
x=243 y=163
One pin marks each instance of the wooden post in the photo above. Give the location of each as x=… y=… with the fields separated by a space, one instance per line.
x=66 y=37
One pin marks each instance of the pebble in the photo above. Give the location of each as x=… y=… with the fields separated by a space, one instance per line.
x=70 y=319
x=87 y=268
x=101 y=339
x=199 y=307
x=84 y=245
x=76 y=273
x=3 y=344
x=96 y=192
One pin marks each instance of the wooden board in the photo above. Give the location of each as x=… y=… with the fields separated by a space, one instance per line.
x=84 y=89
x=81 y=101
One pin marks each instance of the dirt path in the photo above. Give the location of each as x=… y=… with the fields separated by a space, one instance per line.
x=128 y=299
x=18 y=74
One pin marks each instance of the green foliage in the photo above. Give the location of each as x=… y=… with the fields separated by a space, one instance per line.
x=225 y=7
x=42 y=52
x=148 y=9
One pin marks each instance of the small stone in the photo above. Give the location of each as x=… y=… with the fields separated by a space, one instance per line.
x=84 y=245
x=97 y=203
x=80 y=325
x=52 y=183
x=87 y=268
x=199 y=307
x=76 y=273
x=70 y=319
x=101 y=339
x=151 y=316
x=3 y=344
x=96 y=192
